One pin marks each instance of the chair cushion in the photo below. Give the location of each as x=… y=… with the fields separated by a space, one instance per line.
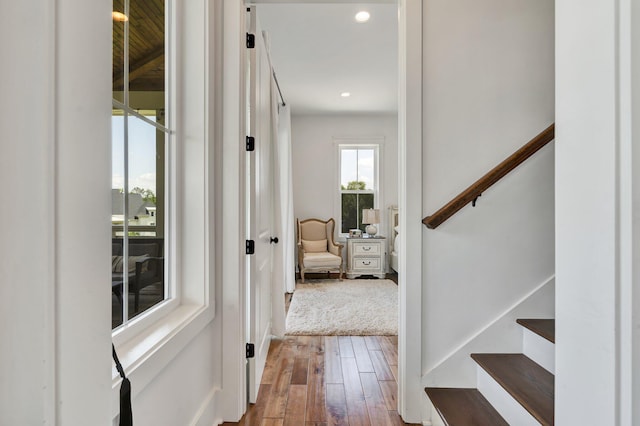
x=324 y=259
x=314 y=246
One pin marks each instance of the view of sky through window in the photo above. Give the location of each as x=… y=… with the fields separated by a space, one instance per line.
x=357 y=165
x=142 y=153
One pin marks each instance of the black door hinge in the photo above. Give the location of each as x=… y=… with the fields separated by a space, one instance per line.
x=251 y=350
x=251 y=143
x=250 y=247
x=251 y=41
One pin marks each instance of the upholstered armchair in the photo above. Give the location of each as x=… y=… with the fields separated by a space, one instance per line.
x=317 y=251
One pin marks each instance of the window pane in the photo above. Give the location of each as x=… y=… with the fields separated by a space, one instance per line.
x=117 y=168
x=138 y=157
x=140 y=271
x=349 y=212
x=117 y=282
x=142 y=176
x=140 y=25
x=146 y=45
x=119 y=23
x=365 y=168
x=349 y=167
x=146 y=273
x=146 y=276
x=365 y=201
x=117 y=215
x=352 y=206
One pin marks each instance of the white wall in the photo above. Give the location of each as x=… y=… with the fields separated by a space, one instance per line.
x=186 y=392
x=597 y=213
x=315 y=161
x=55 y=162
x=56 y=323
x=488 y=88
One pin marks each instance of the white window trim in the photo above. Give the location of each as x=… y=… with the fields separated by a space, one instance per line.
x=148 y=343
x=359 y=142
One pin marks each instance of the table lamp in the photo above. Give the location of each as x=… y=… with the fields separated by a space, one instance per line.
x=371 y=217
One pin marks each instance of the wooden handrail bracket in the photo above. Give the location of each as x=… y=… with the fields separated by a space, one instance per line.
x=474 y=191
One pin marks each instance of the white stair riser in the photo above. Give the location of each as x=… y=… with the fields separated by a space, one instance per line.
x=540 y=350
x=503 y=402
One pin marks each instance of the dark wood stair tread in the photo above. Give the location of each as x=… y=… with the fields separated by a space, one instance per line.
x=464 y=407
x=528 y=383
x=543 y=327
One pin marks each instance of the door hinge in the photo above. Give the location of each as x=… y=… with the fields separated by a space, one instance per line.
x=251 y=350
x=251 y=143
x=250 y=247
x=251 y=41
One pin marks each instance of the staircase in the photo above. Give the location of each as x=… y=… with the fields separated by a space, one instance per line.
x=512 y=389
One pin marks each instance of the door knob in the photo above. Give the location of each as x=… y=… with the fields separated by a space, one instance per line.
x=274 y=240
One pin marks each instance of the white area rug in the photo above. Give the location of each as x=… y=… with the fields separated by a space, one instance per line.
x=344 y=308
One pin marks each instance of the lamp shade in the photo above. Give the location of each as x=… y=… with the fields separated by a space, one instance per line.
x=370 y=216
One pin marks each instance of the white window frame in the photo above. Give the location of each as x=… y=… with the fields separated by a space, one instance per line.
x=150 y=341
x=369 y=142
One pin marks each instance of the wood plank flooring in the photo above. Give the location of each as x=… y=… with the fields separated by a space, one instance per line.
x=328 y=380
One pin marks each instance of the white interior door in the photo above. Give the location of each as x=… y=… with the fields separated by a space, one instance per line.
x=260 y=205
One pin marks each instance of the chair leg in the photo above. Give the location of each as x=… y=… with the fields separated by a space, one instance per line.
x=302 y=275
x=340 y=276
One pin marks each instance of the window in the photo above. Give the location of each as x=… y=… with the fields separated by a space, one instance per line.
x=358 y=184
x=183 y=125
x=140 y=136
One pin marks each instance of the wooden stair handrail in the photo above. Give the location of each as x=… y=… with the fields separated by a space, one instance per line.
x=475 y=190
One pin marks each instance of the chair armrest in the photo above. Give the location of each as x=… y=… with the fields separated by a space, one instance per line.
x=336 y=249
x=148 y=261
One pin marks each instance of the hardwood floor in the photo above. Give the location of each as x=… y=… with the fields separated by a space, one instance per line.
x=328 y=380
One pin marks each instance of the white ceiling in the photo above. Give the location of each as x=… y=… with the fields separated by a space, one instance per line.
x=319 y=51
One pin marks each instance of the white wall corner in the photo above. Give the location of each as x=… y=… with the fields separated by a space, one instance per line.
x=410 y=393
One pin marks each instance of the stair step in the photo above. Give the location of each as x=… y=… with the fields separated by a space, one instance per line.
x=464 y=407
x=527 y=382
x=543 y=327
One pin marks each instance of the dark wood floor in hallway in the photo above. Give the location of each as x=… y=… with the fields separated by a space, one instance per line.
x=328 y=380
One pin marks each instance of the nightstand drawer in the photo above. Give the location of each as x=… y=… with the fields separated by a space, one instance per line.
x=366 y=263
x=366 y=249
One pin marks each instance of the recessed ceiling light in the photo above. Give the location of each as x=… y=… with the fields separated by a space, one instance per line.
x=119 y=16
x=345 y=94
x=362 y=16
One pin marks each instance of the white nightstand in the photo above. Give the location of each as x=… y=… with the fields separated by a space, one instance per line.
x=366 y=256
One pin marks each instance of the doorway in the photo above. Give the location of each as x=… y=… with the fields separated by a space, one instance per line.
x=410 y=154
x=309 y=128
x=339 y=77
